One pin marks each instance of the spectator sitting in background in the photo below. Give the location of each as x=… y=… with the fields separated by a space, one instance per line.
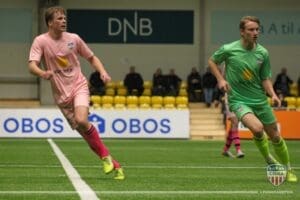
x=194 y=84
x=218 y=93
x=173 y=83
x=96 y=84
x=159 y=83
x=134 y=82
x=209 y=83
x=282 y=83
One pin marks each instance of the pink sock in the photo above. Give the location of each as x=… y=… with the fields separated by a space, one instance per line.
x=116 y=164
x=236 y=139
x=228 y=141
x=95 y=143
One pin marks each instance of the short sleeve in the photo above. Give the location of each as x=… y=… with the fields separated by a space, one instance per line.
x=83 y=48
x=265 y=72
x=36 y=50
x=219 y=56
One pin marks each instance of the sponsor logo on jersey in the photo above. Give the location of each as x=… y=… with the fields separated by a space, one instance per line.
x=247 y=75
x=62 y=61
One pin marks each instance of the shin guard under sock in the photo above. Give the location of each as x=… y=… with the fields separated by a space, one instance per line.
x=95 y=142
x=262 y=145
x=282 y=152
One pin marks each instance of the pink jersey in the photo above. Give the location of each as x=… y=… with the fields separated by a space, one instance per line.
x=61 y=57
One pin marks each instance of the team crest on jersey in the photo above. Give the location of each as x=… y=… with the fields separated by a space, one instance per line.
x=276 y=174
x=259 y=62
x=70 y=45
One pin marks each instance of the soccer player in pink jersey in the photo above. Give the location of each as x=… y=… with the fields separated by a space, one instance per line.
x=60 y=50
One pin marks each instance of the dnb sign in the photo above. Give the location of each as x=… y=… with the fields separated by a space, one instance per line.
x=128 y=124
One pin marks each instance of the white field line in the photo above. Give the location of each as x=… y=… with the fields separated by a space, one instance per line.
x=84 y=190
x=150 y=166
x=149 y=192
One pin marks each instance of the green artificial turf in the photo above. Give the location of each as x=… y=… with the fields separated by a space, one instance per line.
x=155 y=169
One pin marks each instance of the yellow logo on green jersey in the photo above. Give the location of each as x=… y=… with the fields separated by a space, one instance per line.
x=247 y=75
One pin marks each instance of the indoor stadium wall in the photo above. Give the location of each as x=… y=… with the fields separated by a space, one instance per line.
x=208 y=34
x=281 y=34
x=214 y=22
x=146 y=57
x=18 y=25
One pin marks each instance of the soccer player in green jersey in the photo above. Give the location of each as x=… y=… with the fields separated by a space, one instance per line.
x=247 y=81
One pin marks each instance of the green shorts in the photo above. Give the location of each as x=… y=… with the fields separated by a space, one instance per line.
x=263 y=112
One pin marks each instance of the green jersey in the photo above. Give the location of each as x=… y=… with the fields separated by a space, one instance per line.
x=245 y=70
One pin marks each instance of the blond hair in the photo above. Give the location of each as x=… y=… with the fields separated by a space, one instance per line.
x=246 y=19
x=49 y=13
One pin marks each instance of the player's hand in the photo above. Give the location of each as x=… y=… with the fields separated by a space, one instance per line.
x=223 y=86
x=47 y=75
x=276 y=101
x=105 y=77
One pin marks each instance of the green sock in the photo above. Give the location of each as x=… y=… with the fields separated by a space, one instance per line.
x=262 y=145
x=282 y=152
